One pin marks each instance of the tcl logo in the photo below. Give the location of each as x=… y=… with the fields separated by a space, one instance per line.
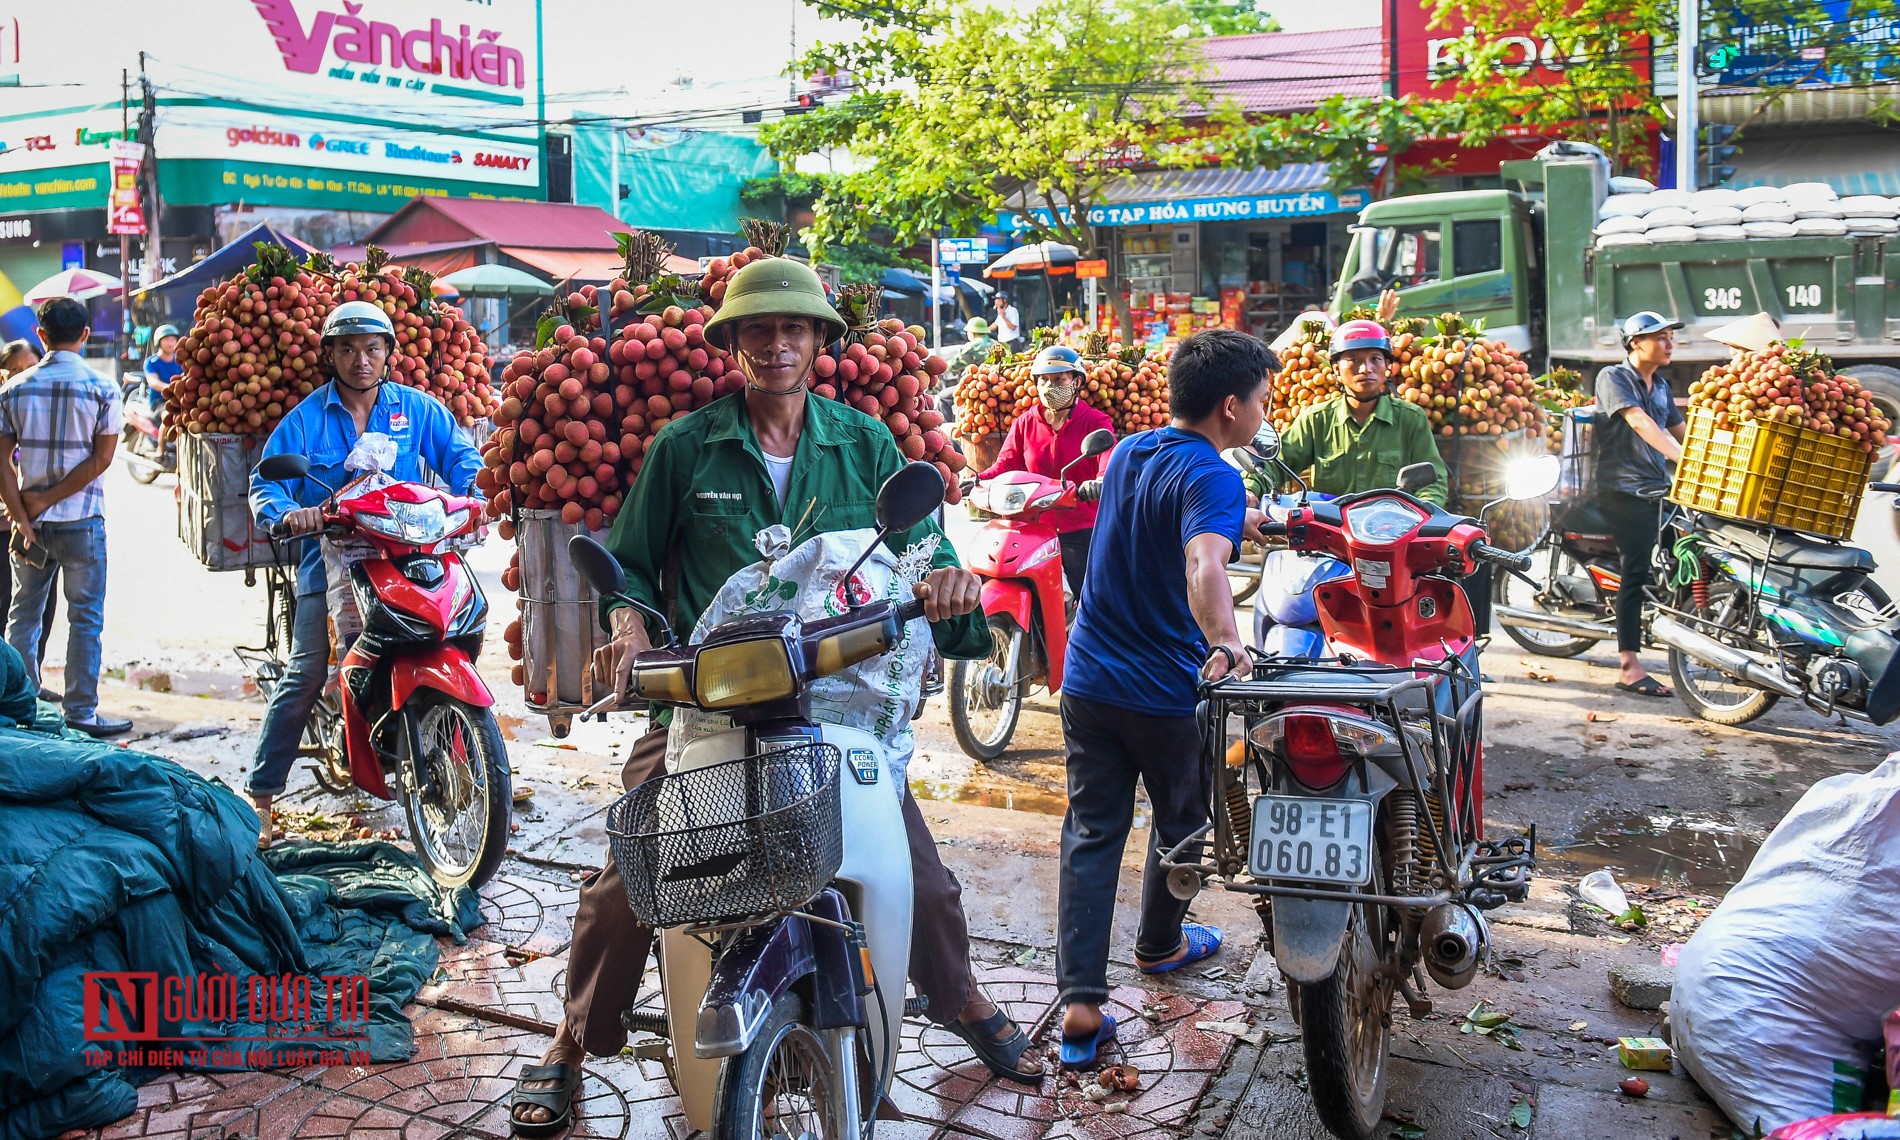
x=503 y=161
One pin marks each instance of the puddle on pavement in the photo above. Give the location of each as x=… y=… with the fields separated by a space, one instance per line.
x=1038 y=801
x=1649 y=847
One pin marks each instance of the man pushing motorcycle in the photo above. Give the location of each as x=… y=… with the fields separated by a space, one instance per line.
x=711 y=481
x=358 y=340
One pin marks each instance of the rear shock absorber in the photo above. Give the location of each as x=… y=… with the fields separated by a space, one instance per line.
x=1403 y=819
x=1699 y=590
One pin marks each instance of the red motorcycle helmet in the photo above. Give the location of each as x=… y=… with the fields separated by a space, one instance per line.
x=1360 y=334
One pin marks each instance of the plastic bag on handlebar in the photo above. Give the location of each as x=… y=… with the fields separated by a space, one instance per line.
x=373 y=455
x=878 y=696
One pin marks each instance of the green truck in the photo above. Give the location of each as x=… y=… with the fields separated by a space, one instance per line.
x=1523 y=260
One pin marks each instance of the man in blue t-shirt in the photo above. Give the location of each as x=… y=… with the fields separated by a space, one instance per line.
x=1155 y=599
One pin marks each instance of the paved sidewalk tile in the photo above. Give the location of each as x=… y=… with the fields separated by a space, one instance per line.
x=528 y=911
x=458 y=1084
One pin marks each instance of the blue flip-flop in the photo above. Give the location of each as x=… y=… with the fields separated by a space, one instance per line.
x=1202 y=942
x=1078 y=1054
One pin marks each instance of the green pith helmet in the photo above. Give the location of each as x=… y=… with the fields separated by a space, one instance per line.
x=775 y=286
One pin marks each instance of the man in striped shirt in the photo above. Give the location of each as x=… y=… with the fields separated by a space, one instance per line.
x=65 y=420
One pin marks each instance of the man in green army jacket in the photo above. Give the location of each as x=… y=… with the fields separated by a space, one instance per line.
x=1362 y=438
x=711 y=480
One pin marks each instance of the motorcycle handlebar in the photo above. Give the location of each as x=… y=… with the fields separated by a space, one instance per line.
x=1889 y=488
x=1271 y=529
x=910 y=611
x=1496 y=556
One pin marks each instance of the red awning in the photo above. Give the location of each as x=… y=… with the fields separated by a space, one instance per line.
x=586 y=264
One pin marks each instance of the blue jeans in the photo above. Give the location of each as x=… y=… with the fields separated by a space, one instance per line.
x=297 y=692
x=78 y=555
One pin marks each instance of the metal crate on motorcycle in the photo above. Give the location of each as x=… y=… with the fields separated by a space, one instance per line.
x=1777 y=473
x=560 y=615
x=214 y=503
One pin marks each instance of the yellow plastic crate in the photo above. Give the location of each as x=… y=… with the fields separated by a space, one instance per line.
x=1780 y=474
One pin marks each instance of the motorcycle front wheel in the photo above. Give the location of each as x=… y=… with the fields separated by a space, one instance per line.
x=985 y=702
x=457 y=796
x=785 y=1085
x=1510 y=590
x=1346 y=1030
x=323 y=736
x=142 y=467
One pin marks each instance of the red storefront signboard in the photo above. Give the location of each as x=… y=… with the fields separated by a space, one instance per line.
x=1424 y=61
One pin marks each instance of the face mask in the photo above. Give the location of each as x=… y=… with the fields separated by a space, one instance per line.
x=1056 y=397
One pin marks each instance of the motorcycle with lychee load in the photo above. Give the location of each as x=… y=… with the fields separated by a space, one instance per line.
x=772 y=859
x=413 y=709
x=1351 y=806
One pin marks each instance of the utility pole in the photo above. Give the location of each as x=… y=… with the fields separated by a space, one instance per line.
x=148 y=178
x=125 y=240
x=1688 y=39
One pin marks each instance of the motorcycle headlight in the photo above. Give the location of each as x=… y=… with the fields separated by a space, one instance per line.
x=417 y=523
x=743 y=673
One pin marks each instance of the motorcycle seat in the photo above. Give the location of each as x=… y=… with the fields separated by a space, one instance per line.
x=1580 y=516
x=1792 y=550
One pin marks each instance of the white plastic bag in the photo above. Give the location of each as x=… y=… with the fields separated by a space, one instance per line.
x=373 y=455
x=879 y=695
x=1780 y=995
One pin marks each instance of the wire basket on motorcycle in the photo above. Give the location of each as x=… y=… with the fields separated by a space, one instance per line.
x=758 y=835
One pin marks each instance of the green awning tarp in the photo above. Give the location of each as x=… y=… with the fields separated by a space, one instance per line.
x=674 y=179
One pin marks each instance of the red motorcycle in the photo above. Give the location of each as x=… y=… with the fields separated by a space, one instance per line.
x=413 y=704
x=1352 y=807
x=1019 y=557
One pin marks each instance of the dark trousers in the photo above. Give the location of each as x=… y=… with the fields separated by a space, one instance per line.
x=1075 y=557
x=609 y=951
x=1634 y=523
x=1109 y=748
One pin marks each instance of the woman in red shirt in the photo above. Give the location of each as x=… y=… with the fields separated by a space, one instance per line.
x=1047 y=438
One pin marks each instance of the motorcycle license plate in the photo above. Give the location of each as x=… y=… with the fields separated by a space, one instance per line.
x=1326 y=841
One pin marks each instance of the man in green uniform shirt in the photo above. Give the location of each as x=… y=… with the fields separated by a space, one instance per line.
x=710 y=482
x=1362 y=438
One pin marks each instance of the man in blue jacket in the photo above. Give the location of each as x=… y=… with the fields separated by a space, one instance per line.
x=357 y=342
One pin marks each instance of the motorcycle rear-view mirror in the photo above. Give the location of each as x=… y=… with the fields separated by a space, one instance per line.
x=601 y=570
x=281 y=468
x=910 y=496
x=1098 y=442
x=1417 y=477
x=603 y=573
x=1266 y=442
x=1531 y=477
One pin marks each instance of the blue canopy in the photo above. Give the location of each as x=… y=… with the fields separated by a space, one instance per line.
x=240 y=254
x=913 y=284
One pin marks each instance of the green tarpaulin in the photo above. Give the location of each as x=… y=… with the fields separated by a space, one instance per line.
x=131 y=888
x=674 y=180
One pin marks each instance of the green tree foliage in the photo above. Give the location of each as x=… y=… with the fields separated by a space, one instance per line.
x=959 y=109
x=1230 y=18
x=865 y=260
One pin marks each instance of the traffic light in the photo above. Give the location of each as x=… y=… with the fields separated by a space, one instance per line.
x=807 y=102
x=1713 y=154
